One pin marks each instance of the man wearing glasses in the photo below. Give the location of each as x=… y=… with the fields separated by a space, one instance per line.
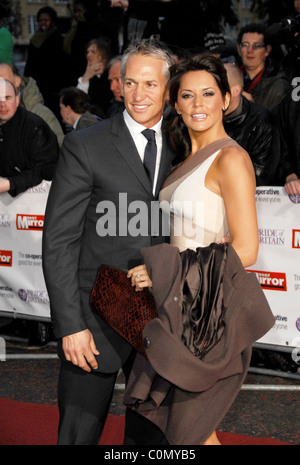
x=262 y=78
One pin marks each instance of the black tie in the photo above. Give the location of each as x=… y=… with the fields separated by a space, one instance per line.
x=150 y=154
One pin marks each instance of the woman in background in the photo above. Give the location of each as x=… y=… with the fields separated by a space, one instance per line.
x=46 y=61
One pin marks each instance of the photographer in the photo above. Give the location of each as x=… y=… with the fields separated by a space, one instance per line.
x=285 y=35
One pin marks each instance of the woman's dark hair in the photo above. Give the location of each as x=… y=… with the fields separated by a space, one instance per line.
x=210 y=63
x=49 y=11
x=78 y=100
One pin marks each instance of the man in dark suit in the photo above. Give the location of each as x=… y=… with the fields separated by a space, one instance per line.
x=99 y=166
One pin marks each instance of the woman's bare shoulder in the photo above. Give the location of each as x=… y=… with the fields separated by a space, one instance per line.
x=233 y=150
x=234 y=157
x=234 y=167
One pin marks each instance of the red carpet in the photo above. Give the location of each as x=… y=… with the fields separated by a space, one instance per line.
x=24 y=423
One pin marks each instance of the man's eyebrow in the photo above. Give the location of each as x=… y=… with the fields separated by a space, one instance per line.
x=133 y=80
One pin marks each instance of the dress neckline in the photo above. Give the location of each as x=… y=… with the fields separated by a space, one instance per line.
x=197 y=159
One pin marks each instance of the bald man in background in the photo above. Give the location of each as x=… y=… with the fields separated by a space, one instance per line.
x=31 y=98
x=29 y=149
x=251 y=126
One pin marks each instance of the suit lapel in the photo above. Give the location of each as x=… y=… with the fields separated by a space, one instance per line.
x=127 y=149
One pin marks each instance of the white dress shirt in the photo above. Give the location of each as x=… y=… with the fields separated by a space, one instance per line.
x=84 y=86
x=140 y=140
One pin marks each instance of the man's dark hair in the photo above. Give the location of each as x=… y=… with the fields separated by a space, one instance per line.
x=251 y=28
x=78 y=100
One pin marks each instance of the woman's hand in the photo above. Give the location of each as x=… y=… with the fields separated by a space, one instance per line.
x=139 y=277
x=292 y=185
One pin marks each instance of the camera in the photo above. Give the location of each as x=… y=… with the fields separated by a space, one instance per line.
x=291 y=24
x=285 y=37
x=286 y=31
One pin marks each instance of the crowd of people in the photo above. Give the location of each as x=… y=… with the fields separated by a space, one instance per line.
x=225 y=119
x=88 y=58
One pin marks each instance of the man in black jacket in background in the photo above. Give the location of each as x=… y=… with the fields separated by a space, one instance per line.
x=29 y=149
x=251 y=126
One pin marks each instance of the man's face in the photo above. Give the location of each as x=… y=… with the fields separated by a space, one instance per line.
x=114 y=77
x=8 y=101
x=63 y=112
x=253 y=51
x=144 y=89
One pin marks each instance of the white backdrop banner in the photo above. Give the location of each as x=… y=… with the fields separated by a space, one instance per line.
x=22 y=287
x=278 y=264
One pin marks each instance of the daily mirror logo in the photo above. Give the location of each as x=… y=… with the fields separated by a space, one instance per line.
x=5 y=258
x=30 y=222
x=271 y=281
x=296 y=239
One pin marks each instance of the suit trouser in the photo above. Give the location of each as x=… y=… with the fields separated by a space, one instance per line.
x=84 y=400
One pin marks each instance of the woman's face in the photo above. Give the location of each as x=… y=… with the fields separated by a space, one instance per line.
x=45 y=22
x=200 y=102
x=93 y=55
x=297 y=5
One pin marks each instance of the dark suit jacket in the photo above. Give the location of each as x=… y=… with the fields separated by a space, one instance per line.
x=96 y=165
x=86 y=119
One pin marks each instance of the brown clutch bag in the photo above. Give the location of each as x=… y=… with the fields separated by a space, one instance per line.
x=124 y=309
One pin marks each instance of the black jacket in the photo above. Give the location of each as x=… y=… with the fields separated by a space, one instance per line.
x=100 y=94
x=28 y=151
x=47 y=65
x=271 y=89
x=106 y=170
x=288 y=123
x=251 y=126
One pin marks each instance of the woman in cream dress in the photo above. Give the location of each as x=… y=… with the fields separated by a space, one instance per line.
x=211 y=192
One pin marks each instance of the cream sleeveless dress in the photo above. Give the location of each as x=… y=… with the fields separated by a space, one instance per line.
x=196 y=214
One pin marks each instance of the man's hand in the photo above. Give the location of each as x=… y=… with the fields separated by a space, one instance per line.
x=80 y=349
